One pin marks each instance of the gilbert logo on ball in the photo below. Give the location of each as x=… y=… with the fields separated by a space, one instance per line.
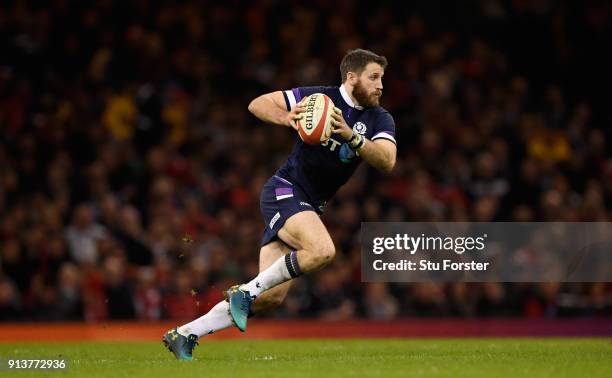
x=315 y=127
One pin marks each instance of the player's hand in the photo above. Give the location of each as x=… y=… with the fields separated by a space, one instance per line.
x=295 y=114
x=339 y=125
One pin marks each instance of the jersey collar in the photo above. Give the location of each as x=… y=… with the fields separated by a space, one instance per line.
x=347 y=98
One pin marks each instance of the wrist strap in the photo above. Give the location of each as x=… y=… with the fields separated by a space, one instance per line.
x=357 y=141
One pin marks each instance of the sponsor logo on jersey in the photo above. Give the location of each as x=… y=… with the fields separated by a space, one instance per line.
x=305 y=204
x=332 y=144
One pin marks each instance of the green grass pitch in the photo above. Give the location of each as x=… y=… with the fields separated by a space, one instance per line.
x=554 y=357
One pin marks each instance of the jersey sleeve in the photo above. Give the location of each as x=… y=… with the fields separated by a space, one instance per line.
x=295 y=95
x=385 y=127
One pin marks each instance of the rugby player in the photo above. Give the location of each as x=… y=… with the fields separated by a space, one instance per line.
x=295 y=240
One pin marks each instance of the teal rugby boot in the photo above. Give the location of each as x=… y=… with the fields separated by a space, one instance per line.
x=181 y=346
x=239 y=306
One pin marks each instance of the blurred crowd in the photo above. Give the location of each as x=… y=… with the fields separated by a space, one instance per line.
x=130 y=168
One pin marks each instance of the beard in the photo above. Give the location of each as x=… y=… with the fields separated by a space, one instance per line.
x=363 y=98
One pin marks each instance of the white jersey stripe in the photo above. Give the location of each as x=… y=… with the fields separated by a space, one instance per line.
x=278 y=198
x=384 y=135
x=291 y=98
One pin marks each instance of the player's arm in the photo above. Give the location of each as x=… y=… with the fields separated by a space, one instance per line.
x=380 y=153
x=271 y=108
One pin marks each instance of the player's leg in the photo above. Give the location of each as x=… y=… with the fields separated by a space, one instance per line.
x=274 y=297
x=288 y=216
x=314 y=249
x=218 y=317
x=306 y=231
x=214 y=320
x=181 y=340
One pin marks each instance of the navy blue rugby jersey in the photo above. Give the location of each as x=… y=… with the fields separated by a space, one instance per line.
x=321 y=170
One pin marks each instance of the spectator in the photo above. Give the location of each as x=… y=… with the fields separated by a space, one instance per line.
x=83 y=235
x=10 y=306
x=130 y=168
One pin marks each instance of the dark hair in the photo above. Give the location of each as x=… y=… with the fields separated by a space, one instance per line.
x=357 y=60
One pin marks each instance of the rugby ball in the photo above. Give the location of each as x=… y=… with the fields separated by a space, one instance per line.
x=315 y=126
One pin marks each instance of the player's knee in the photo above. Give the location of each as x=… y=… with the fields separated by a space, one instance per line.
x=325 y=253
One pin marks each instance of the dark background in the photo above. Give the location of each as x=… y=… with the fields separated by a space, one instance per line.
x=130 y=168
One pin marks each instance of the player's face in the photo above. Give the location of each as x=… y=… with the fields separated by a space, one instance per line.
x=368 y=88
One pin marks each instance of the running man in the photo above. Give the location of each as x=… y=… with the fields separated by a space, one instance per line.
x=295 y=240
